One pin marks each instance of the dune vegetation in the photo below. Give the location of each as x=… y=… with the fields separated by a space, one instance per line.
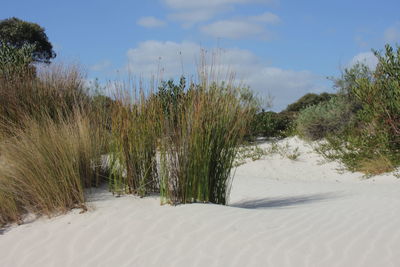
x=361 y=124
x=59 y=137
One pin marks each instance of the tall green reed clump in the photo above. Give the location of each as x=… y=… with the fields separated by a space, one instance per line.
x=46 y=165
x=135 y=130
x=200 y=141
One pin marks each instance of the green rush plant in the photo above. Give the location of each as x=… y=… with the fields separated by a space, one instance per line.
x=198 y=150
x=135 y=131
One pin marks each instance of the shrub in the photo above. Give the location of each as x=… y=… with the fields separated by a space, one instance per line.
x=270 y=124
x=380 y=98
x=372 y=143
x=332 y=117
x=171 y=97
x=15 y=63
x=308 y=100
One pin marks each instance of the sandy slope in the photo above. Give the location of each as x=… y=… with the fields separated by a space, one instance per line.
x=282 y=213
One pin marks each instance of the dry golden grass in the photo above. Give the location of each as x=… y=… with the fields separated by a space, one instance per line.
x=378 y=165
x=51 y=139
x=47 y=165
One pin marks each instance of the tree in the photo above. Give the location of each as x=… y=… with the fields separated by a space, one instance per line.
x=17 y=33
x=307 y=100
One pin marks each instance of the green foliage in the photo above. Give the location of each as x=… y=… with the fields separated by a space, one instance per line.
x=15 y=62
x=380 y=98
x=332 y=117
x=371 y=143
x=270 y=124
x=17 y=33
x=308 y=100
x=170 y=95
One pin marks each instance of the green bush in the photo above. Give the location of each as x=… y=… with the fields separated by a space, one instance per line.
x=371 y=143
x=380 y=98
x=15 y=62
x=281 y=124
x=270 y=124
x=308 y=100
x=318 y=121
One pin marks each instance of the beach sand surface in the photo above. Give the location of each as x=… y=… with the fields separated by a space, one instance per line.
x=281 y=212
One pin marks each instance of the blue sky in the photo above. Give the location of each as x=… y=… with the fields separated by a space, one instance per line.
x=279 y=47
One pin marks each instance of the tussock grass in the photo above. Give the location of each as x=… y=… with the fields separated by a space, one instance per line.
x=47 y=165
x=51 y=138
x=49 y=90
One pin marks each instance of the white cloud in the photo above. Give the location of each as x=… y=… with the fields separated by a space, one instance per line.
x=175 y=59
x=234 y=29
x=367 y=58
x=392 y=34
x=285 y=86
x=195 y=11
x=150 y=22
x=101 y=65
x=190 y=17
x=266 y=17
x=251 y=26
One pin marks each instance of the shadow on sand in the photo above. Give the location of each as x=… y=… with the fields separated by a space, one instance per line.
x=281 y=202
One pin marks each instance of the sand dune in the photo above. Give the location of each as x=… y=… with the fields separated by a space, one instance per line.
x=281 y=213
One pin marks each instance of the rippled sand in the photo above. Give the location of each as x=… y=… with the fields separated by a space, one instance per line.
x=281 y=213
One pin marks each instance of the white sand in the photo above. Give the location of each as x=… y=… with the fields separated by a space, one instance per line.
x=282 y=213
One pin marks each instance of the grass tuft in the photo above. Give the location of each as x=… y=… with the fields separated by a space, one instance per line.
x=47 y=165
